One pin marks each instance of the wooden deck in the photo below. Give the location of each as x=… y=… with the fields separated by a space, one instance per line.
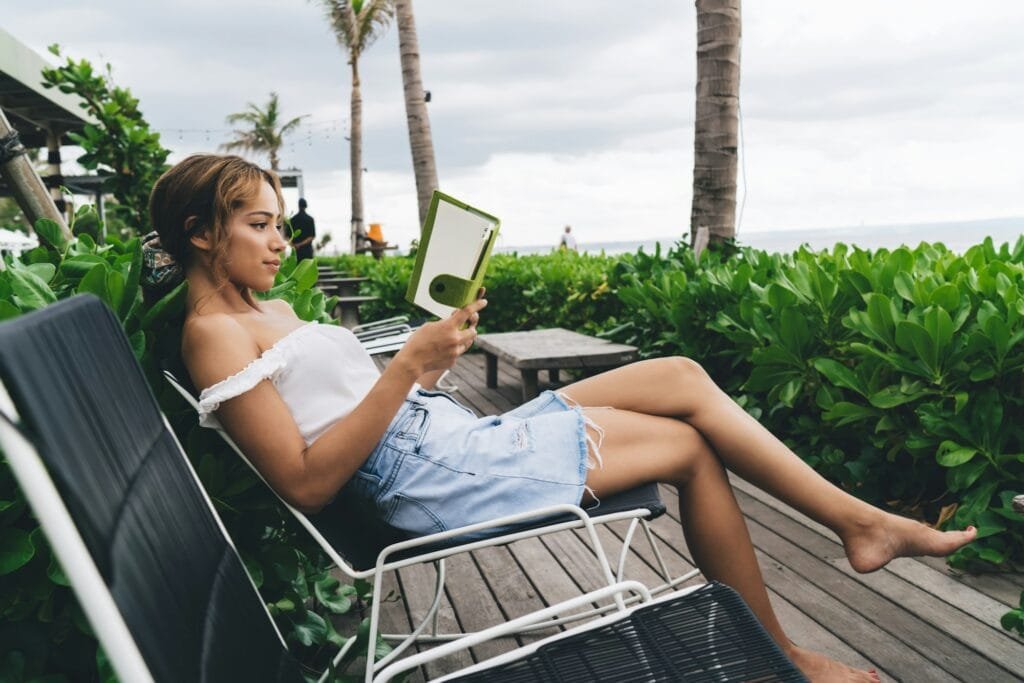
x=913 y=621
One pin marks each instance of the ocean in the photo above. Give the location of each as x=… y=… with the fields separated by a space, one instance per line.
x=956 y=235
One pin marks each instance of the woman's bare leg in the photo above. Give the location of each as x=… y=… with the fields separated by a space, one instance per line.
x=679 y=387
x=640 y=448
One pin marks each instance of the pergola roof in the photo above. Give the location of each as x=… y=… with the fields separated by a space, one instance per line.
x=32 y=109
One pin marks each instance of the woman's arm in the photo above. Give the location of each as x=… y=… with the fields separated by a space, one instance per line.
x=260 y=422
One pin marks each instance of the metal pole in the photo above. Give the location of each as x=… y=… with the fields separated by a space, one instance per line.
x=54 y=176
x=26 y=186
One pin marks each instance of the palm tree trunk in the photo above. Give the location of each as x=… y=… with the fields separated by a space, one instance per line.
x=420 y=140
x=356 y=156
x=715 y=137
x=273 y=159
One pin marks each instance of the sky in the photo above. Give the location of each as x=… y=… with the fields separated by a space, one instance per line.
x=581 y=112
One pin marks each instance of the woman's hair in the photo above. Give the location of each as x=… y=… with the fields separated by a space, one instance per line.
x=201 y=193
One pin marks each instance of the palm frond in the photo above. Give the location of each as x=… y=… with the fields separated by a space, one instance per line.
x=341 y=17
x=373 y=20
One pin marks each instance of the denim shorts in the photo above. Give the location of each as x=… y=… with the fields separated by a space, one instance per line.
x=440 y=467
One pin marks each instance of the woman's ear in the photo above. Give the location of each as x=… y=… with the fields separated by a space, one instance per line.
x=199 y=236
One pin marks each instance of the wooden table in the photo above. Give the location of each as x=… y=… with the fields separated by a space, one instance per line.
x=549 y=350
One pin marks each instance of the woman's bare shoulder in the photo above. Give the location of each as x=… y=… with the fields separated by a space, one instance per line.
x=281 y=306
x=215 y=346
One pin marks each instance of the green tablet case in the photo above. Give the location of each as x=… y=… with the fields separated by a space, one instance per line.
x=451 y=289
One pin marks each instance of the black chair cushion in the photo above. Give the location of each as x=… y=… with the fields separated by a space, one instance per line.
x=86 y=406
x=357 y=534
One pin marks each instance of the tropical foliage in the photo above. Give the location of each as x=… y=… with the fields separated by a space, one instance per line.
x=562 y=289
x=264 y=130
x=121 y=144
x=894 y=373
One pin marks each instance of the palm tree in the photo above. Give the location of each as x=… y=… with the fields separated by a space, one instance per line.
x=716 y=122
x=420 y=141
x=264 y=132
x=356 y=24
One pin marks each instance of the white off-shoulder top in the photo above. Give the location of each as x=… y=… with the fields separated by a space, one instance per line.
x=321 y=372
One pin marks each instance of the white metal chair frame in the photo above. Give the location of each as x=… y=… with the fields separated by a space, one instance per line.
x=389 y=335
x=584 y=520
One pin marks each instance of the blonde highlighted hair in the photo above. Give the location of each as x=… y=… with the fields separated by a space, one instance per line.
x=201 y=193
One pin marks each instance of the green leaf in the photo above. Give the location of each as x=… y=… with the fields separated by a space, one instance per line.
x=951 y=454
x=914 y=338
x=839 y=375
x=890 y=397
x=30 y=292
x=172 y=303
x=999 y=333
x=960 y=477
x=50 y=232
x=131 y=287
x=137 y=340
x=8 y=310
x=56 y=572
x=95 y=282
x=947 y=296
x=881 y=316
x=16 y=549
x=310 y=630
x=44 y=271
x=845 y=412
x=329 y=596
x=115 y=289
x=305 y=275
x=794 y=332
x=78 y=266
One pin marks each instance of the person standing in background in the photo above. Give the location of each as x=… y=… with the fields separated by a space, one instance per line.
x=568 y=241
x=303 y=224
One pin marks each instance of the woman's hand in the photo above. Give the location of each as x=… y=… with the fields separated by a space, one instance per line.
x=437 y=345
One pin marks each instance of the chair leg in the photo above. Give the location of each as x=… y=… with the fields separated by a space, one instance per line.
x=429 y=618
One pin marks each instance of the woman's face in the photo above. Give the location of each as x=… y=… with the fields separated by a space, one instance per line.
x=256 y=242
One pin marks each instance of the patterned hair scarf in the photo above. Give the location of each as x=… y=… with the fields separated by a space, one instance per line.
x=159 y=267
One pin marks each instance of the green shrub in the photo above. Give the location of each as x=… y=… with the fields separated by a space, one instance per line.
x=563 y=289
x=894 y=373
x=120 y=144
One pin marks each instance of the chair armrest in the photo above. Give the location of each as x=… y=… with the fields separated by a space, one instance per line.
x=396 y=320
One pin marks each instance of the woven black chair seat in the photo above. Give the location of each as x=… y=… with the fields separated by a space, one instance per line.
x=707 y=635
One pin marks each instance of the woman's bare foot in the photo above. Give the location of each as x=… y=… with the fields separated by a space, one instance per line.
x=870 y=546
x=820 y=668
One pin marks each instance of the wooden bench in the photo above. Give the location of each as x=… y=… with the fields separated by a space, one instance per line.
x=550 y=350
x=343 y=286
x=347 y=309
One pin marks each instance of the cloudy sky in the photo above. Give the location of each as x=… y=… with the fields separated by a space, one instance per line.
x=581 y=111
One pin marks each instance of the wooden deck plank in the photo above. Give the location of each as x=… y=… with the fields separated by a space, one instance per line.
x=922 y=599
x=548 y=576
x=987 y=596
x=939 y=631
x=418 y=590
x=511 y=588
x=473 y=601
x=394 y=616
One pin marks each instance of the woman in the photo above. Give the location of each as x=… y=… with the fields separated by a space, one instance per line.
x=310 y=409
